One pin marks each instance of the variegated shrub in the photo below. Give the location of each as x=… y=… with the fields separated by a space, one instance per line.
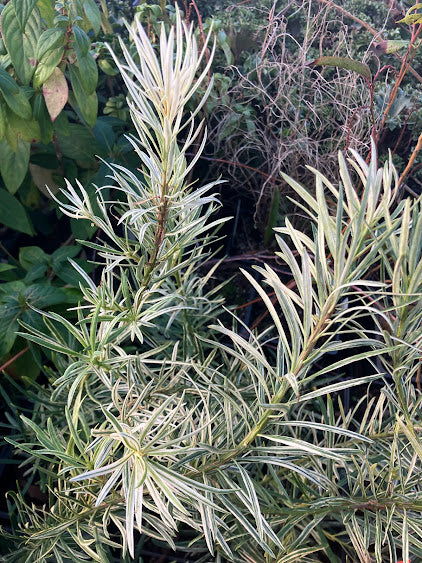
x=162 y=425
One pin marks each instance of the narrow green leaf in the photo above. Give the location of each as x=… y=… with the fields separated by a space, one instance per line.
x=344 y=62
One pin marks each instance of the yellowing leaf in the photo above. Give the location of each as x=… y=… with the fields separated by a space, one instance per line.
x=390 y=46
x=43 y=177
x=56 y=92
x=18 y=128
x=411 y=19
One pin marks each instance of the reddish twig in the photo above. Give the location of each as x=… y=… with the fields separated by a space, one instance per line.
x=201 y=31
x=411 y=160
x=15 y=357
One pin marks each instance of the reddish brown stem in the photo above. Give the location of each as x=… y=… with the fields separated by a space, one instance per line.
x=411 y=160
x=15 y=357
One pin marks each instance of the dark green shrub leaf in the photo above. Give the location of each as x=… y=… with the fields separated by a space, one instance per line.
x=43 y=177
x=344 y=62
x=93 y=14
x=79 y=144
x=49 y=40
x=6 y=267
x=47 y=65
x=44 y=120
x=22 y=44
x=61 y=125
x=87 y=103
x=32 y=255
x=23 y=9
x=46 y=9
x=41 y=295
x=7 y=84
x=88 y=73
x=16 y=305
x=8 y=327
x=14 y=165
x=36 y=272
x=14 y=96
x=3 y=119
x=13 y=214
x=75 y=106
x=61 y=255
x=104 y=133
x=82 y=41
x=82 y=230
x=67 y=273
x=56 y=92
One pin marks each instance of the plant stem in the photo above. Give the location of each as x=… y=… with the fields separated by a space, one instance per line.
x=411 y=161
x=15 y=357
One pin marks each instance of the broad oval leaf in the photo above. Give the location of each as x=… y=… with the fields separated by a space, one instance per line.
x=23 y=10
x=14 y=165
x=25 y=129
x=78 y=142
x=50 y=39
x=31 y=255
x=8 y=328
x=82 y=42
x=14 y=96
x=46 y=66
x=13 y=214
x=21 y=43
x=88 y=73
x=46 y=9
x=87 y=103
x=56 y=93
